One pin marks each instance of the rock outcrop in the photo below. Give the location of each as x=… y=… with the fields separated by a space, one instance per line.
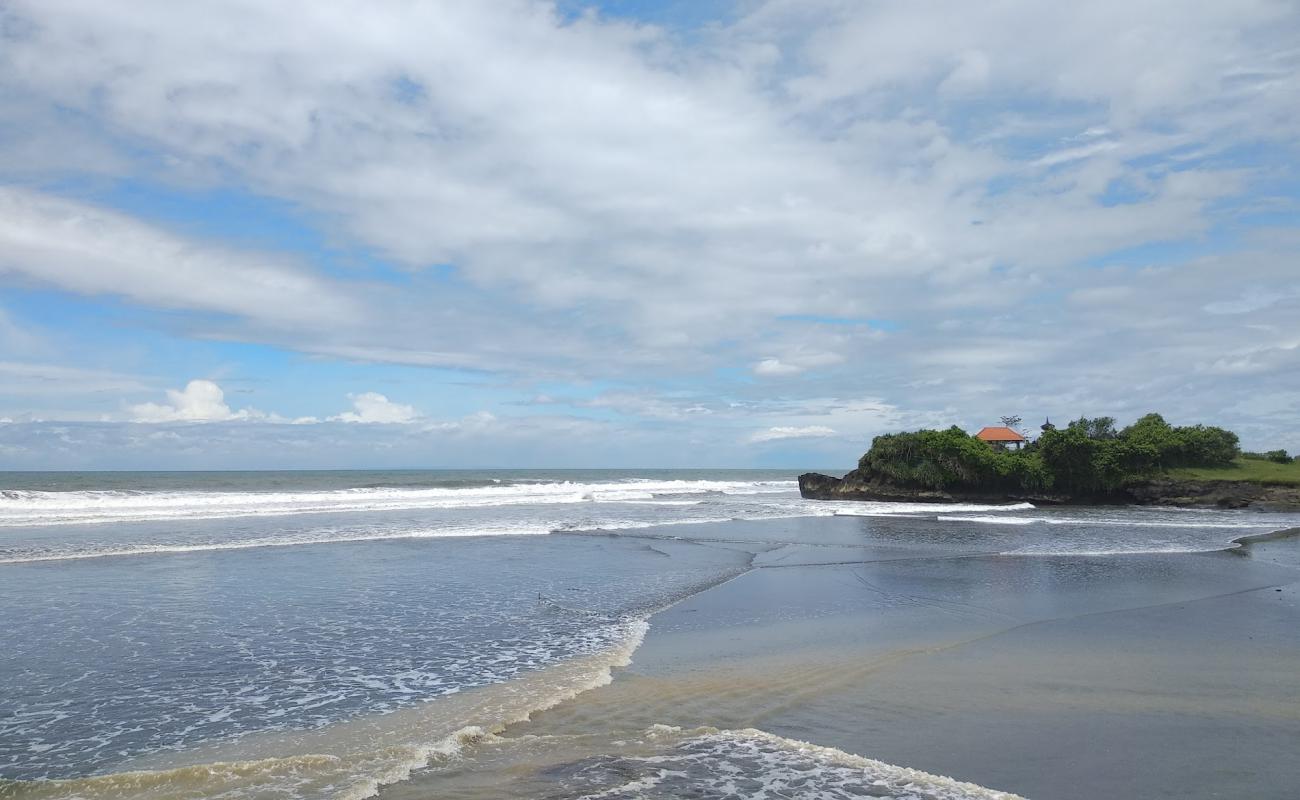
x=1157 y=491
x=1215 y=494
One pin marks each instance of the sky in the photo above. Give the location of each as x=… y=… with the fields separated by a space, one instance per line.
x=389 y=233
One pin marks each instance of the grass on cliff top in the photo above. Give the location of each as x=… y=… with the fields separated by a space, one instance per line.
x=1245 y=469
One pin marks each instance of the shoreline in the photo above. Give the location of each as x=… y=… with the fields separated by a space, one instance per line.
x=828 y=651
x=962 y=677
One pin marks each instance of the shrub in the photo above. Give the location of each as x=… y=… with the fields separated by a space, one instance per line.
x=1087 y=457
x=1095 y=428
x=1206 y=446
x=949 y=459
x=1193 y=446
x=1278 y=456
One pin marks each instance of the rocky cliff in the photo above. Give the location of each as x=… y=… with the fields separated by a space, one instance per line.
x=1217 y=494
x=1159 y=491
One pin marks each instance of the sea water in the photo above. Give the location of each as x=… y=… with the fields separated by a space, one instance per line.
x=322 y=634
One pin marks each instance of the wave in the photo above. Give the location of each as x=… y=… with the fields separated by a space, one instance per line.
x=1272 y=536
x=330 y=536
x=306 y=538
x=1118 y=523
x=707 y=762
x=1120 y=551
x=997 y=515
x=348 y=760
x=356 y=760
x=1135 y=523
x=855 y=508
x=40 y=508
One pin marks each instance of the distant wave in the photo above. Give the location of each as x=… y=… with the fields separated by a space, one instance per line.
x=1109 y=522
x=1118 y=551
x=334 y=536
x=30 y=508
x=306 y=538
x=889 y=509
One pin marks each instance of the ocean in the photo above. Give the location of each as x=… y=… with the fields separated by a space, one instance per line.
x=330 y=634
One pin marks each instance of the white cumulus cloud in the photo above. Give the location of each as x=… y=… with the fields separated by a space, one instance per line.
x=373 y=407
x=200 y=401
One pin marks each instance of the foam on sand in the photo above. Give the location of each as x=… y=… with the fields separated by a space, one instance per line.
x=349 y=760
x=751 y=763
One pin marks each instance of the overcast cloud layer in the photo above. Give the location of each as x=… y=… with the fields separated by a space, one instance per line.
x=245 y=234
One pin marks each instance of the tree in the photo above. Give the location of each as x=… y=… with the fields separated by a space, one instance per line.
x=1101 y=428
x=1205 y=446
x=1278 y=456
x=1012 y=422
x=1187 y=446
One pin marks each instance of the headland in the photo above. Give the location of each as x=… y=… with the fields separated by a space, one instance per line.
x=1088 y=462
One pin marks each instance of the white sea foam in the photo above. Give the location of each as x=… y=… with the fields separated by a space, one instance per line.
x=304 y=538
x=336 y=536
x=1116 y=551
x=888 y=509
x=31 y=508
x=1138 y=522
x=752 y=763
x=351 y=760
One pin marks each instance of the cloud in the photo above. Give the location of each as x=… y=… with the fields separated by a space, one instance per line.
x=774 y=367
x=1036 y=194
x=790 y=432
x=606 y=199
x=803 y=352
x=27 y=378
x=373 y=407
x=1076 y=153
x=90 y=250
x=200 y=401
x=205 y=401
x=1253 y=299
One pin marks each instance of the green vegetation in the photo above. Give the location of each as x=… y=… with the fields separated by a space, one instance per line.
x=1276 y=456
x=1087 y=457
x=951 y=460
x=1256 y=470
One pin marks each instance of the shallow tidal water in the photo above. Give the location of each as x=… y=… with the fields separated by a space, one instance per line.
x=304 y=635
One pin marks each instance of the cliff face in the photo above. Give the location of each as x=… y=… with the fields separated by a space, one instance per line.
x=1158 y=491
x=1217 y=494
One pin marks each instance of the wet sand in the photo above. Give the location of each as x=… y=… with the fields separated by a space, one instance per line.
x=1054 y=677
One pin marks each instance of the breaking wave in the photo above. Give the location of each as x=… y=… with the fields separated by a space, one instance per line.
x=30 y=508
x=889 y=509
x=754 y=764
x=349 y=760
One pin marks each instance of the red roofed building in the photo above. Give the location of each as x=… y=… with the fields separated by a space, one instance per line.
x=1001 y=437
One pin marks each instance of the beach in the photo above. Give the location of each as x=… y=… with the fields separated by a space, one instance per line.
x=327 y=641
x=1147 y=675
